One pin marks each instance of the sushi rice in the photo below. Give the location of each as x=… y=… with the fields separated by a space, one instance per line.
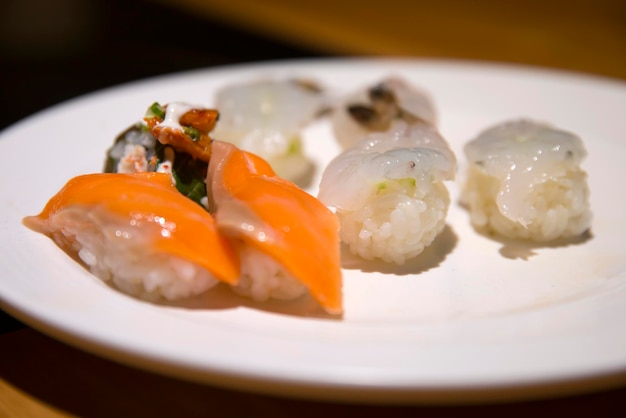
x=263 y=278
x=113 y=251
x=398 y=221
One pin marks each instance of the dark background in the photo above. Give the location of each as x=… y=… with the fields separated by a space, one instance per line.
x=54 y=50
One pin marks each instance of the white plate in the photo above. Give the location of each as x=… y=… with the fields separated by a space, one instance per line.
x=470 y=320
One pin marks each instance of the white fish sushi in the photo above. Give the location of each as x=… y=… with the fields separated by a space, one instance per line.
x=266 y=117
x=388 y=191
x=373 y=109
x=524 y=181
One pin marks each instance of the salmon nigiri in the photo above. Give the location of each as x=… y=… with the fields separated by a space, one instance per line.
x=137 y=232
x=288 y=240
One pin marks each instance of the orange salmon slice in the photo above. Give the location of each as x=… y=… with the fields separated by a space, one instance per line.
x=187 y=230
x=277 y=218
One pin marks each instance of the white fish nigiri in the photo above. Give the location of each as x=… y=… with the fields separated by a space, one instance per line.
x=525 y=181
x=266 y=117
x=373 y=109
x=388 y=191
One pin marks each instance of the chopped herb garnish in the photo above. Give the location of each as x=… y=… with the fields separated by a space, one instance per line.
x=194 y=190
x=391 y=186
x=294 y=146
x=155 y=110
x=192 y=133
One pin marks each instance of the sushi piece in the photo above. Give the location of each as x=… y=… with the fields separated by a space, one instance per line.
x=373 y=109
x=174 y=139
x=131 y=151
x=287 y=239
x=524 y=181
x=138 y=233
x=267 y=117
x=388 y=191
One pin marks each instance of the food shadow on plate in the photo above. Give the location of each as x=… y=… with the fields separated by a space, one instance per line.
x=221 y=297
x=518 y=249
x=521 y=249
x=430 y=258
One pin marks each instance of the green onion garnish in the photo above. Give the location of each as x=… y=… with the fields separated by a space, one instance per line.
x=194 y=190
x=155 y=110
x=294 y=146
x=191 y=132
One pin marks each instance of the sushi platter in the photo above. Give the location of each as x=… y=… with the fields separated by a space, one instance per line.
x=474 y=307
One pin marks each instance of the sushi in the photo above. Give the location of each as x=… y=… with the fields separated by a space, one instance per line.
x=139 y=234
x=373 y=109
x=388 y=192
x=287 y=240
x=525 y=181
x=267 y=117
x=131 y=151
x=174 y=139
x=284 y=240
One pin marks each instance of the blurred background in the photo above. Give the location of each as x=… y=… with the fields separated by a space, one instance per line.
x=53 y=50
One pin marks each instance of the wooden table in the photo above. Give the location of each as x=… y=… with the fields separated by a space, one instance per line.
x=42 y=377
x=580 y=35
